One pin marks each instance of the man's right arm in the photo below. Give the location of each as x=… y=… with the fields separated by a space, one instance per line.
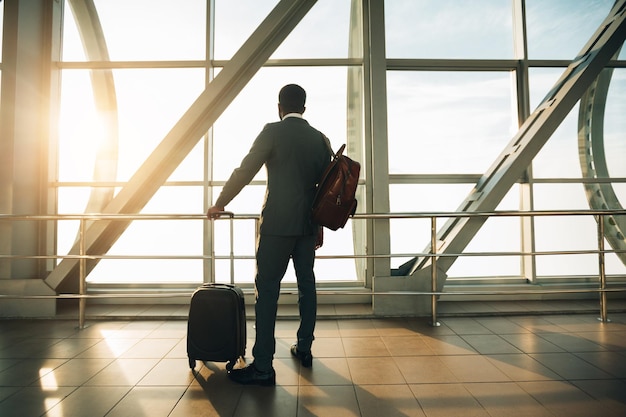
x=250 y=165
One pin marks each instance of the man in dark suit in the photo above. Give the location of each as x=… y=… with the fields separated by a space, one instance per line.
x=295 y=155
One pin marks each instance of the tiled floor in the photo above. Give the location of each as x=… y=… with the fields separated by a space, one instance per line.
x=518 y=365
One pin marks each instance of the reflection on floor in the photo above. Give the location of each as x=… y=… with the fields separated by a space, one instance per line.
x=481 y=365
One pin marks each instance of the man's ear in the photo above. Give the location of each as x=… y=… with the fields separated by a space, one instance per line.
x=280 y=111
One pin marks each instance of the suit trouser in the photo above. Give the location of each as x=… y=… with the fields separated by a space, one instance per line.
x=272 y=258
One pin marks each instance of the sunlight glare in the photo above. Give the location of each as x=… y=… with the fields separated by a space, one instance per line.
x=48 y=379
x=116 y=346
x=53 y=405
x=83 y=130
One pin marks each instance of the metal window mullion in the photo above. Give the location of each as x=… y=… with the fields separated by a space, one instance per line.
x=378 y=134
x=522 y=99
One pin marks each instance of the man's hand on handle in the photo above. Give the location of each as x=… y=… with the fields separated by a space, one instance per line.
x=214 y=212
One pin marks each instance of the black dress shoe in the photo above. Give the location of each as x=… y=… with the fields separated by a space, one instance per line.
x=252 y=376
x=305 y=357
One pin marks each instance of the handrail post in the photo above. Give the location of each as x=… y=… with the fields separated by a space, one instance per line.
x=82 y=268
x=602 y=270
x=433 y=271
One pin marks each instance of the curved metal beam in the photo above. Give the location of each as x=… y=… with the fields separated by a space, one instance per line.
x=103 y=85
x=593 y=164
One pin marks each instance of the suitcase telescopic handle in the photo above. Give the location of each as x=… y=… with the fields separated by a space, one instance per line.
x=231 y=215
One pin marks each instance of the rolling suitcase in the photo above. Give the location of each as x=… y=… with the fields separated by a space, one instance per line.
x=216 y=326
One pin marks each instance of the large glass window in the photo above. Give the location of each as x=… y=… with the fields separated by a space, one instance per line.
x=236 y=21
x=325 y=109
x=451 y=111
x=443 y=124
x=478 y=29
x=559 y=29
x=149 y=102
x=144 y=30
x=565 y=233
x=149 y=99
x=497 y=235
x=559 y=156
x=559 y=180
x=447 y=122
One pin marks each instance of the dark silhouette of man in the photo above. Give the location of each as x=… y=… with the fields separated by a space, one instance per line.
x=295 y=155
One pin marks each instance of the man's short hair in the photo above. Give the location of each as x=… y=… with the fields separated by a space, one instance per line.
x=292 y=98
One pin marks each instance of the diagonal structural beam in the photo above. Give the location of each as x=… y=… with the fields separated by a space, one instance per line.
x=185 y=134
x=456 y=234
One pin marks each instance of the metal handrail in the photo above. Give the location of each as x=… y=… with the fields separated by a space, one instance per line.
x=82 y=256
x=395 y=215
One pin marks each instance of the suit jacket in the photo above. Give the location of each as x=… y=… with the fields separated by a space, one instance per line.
x=295 y=155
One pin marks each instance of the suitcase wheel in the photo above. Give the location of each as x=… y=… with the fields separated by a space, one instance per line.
x=231 y=364
x=192 y=363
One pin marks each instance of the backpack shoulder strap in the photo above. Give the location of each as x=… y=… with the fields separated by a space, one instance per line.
x=333 y=153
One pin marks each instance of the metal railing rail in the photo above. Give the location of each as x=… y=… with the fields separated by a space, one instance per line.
x=83 y=256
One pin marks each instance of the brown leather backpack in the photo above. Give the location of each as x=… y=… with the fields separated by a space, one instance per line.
x=335 y=199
